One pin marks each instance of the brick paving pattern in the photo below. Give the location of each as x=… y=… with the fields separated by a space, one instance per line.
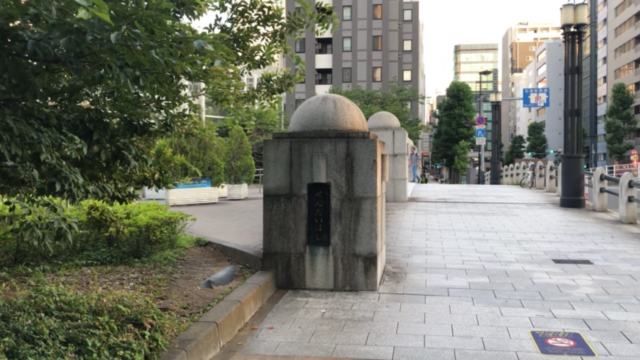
x=469 y=273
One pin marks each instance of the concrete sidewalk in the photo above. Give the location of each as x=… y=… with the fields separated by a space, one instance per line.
x=236 y=222
x=469 y=273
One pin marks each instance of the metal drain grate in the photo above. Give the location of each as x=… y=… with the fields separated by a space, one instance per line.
x=568 y=261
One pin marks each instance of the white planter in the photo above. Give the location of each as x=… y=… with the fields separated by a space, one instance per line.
x=222 y=191
x=237 y=192
x=153 y=194
x=192 y=196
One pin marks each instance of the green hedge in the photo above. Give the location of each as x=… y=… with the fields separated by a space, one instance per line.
x=90 y=232
x=52 y=322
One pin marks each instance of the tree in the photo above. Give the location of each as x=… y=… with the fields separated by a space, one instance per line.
x=515 y=151
x=239 y=165
x=461 y=160
x=455 y=123
x=84 y=99
x=537 y=140
x=393 y=100
x=620 y=121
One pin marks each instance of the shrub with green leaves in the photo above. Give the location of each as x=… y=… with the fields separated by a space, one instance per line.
x=53 y=322
x=239 y=164
x=95 y=232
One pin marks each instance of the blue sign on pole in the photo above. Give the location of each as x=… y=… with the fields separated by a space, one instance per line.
x=535 y=98
x=481 y=133
x=480 y=120
x=562 y=343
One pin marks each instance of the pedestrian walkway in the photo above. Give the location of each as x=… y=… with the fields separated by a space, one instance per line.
x=469 y=273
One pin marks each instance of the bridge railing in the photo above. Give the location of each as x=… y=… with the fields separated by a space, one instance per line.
x=626 y=193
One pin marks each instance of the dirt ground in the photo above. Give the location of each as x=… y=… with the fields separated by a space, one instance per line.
x=174 y=288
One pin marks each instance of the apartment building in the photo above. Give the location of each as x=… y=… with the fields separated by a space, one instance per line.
x=546 y=70
x=378 y=42
x=519 y=46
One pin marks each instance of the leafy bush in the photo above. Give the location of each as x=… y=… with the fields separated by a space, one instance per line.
x=93 y=231
x=239 y=164
x=53 y=322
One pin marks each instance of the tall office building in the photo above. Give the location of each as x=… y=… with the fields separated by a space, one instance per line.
x=377 y=43
x=469 y=61
x=519 y=45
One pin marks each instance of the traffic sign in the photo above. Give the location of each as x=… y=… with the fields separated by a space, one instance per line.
x=481 y=141
x=480 y=126
x=480 y=120
x=533 y=98
x=481 y=133
x=562 y=343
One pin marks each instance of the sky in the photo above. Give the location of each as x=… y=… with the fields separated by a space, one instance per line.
x=449 y=23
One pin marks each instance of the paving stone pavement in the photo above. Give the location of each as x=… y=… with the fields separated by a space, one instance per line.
x=469 y=273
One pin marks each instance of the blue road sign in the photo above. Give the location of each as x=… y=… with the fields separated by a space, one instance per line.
x=561 y=343
x=535 y=98
x=480 y=120
x=481 y=132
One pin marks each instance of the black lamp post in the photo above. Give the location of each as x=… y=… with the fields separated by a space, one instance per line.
x=480 y=108
x=573 y=20
x=496 y=135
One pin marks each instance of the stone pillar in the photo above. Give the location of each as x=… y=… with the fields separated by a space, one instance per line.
x=559 y=176
x=512 y=174
x=388 y=129
x=551 y=177
x=540 y=169
x=324 y=200
x=628 y=210
x=600 y=199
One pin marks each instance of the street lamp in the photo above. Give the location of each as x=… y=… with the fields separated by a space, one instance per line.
x=480 y=108
x=573 y=21
x=496 y=135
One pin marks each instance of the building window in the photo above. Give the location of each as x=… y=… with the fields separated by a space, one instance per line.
x=602 y=43
x=542 y=83
x=601 y=138
x=541 y=111
x=542 y=55
x=601 y=100
x=624 y=48
x=406 y=75
x=532 y=48
x=542 y=69
x=346 y=44
x=346 y=75
x=300 y=45
x=377 y=74
x=377 y=43
x=602 y=62
x=377 y=12
x=529 y=58
x=346 y=13
x=601 y=81
x=625 y=70
x=624 y=6
x=299 y=102
x=406 y=45
x=602 y=157
x=407 y=15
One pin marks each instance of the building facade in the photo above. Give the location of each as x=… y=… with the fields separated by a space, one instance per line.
x=469 y=61
x=545 y=71
x=377 y=43
x=519 y=46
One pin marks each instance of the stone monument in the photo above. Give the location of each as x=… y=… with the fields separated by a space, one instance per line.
x=324 y=201
x=388 y=129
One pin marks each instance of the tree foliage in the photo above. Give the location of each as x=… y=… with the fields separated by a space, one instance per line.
x=393 y=100
x=194 y=154
x=620 y=121
x=515 y=151
x=461 y=152
x=239 y=164
x=87 y=88
x=455 y=115
x=536 y=140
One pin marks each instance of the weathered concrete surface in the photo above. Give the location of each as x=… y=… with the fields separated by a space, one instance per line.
x=328 y=112
x=387 y=127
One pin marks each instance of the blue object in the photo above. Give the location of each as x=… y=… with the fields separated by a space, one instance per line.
x=481 y=132
x=195 y=184
x=480 y=120
x=535 y=98
x=562 y=343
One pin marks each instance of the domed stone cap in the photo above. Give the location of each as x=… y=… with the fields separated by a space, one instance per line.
x=383 y=120
x=328 y=112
